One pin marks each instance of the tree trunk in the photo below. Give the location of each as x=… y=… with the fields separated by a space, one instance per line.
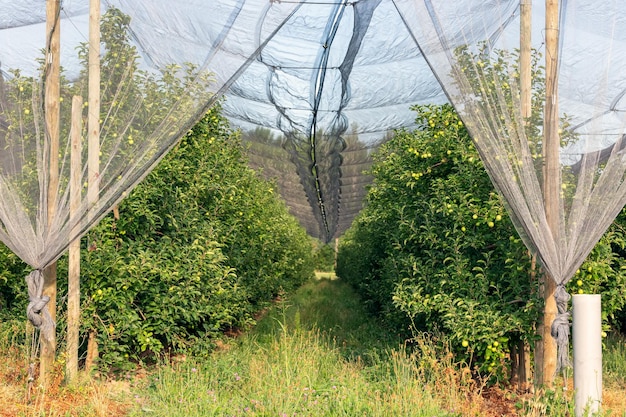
x=525 y=371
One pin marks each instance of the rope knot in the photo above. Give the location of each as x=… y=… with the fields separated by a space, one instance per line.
x=560 y=328
x=36 y=311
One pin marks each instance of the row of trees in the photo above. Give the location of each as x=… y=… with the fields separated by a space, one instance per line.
x=199 y=247
x=435 y=250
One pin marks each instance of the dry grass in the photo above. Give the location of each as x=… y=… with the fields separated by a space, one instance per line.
x=90 y=397
x=85 y=397
x=614 y=399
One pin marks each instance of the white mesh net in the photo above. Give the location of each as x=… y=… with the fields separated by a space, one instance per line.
x=475 y=52
x=144 y=107
x=320 y=84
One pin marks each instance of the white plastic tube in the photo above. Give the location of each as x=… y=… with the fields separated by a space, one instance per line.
x=587 y=341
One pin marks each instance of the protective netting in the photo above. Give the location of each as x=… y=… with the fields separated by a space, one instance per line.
x=333 y=83
x=550 y=132
x=145 y=105
x=315 y=86
x=329 y=80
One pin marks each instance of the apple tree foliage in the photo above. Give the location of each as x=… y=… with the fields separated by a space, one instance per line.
x=324 y=255
x=200 y=246
x=434 y=249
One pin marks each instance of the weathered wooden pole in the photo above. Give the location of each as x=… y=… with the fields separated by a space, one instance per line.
x=73 y=281
x=551 y=185
x=525 y=57
x=93 y=117
x=52 y=118
x=523 y=351
x=93 y=136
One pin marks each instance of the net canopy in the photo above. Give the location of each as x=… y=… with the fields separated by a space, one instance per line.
x=559 y=162
x=143 y=104
x=314 y=87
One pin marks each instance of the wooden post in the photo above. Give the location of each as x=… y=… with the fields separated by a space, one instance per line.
x=524 y=60
x=92 y=351
x=93 y=117
x=551 y=184
x=52 y=118
x=73 y=280
x=93 y=136
x=523 y=350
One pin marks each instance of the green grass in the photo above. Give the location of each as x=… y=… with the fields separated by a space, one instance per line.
x=614 y=360
x=318 y=353
x=330 y=306
x=315 y=353
x=306 y=358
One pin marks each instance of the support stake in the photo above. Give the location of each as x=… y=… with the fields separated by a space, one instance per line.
x=587 y=342
x=73 y=280
x=52 y=116
x=551 y=185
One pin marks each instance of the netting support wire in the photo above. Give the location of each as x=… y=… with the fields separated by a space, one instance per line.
x=320 y=75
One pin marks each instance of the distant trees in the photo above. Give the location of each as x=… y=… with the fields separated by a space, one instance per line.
x=333 y=169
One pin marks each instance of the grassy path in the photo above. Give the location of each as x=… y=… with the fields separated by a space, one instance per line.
x=317 y=353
